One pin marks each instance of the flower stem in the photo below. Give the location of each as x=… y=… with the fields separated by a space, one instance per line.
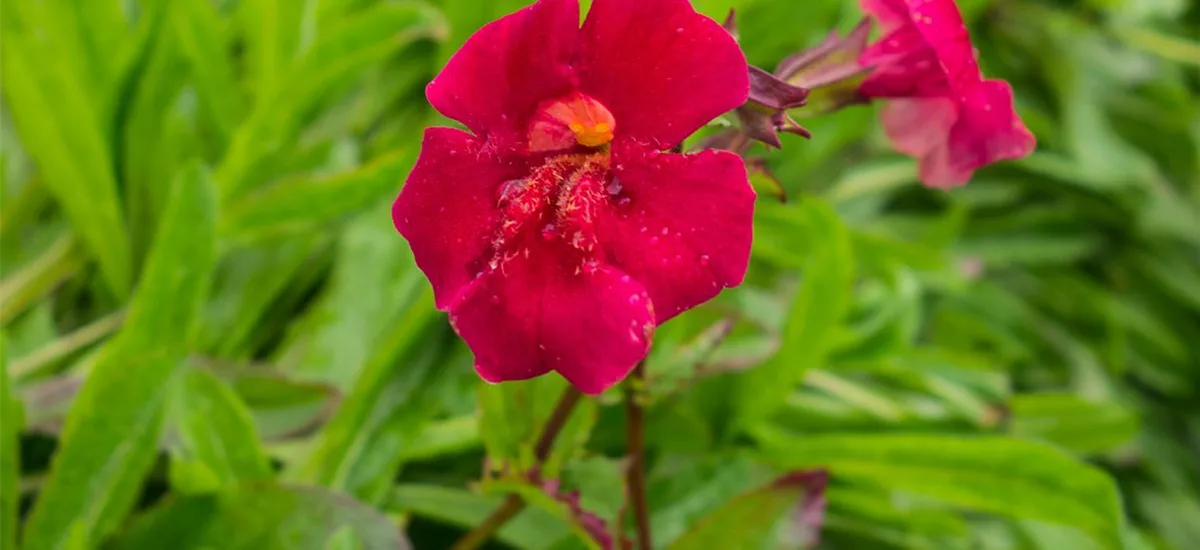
x=636 y=476
x=513 y=504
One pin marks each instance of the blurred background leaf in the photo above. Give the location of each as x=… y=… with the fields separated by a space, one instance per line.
x=253 y=359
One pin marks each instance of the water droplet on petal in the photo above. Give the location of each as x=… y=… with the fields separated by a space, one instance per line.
x=494 y=299
x=614 y=187
x=549 y=232
x=623 y=202
x=704 y=259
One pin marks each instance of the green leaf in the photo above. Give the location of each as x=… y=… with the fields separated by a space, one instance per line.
x=10 y=458
x=1072 y=422
x=345 y=538
x=532 y=528
x=198 y=29
x=815 y=313
x=329 y=67
x=513 y=414
x=309 y=203
x=216 y=428
x=61 y=130
x=111 y=434
x=260 y=517
x=361 y=448
x=990 y=474
x=747 y=520
x=23 y=288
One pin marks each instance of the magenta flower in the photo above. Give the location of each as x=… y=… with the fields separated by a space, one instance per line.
x=558 y=233
x=942 y=111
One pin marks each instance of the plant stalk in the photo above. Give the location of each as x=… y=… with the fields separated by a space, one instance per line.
x=514 y=503
x=636 y=444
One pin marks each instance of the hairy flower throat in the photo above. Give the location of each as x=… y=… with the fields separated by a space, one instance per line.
x=557 y=202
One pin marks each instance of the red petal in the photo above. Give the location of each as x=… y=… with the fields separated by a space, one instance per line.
x=662 y=69
x=940 y=22
x=988 y=130
x=537 y=314
x=925 y=52
x=918 y=126
x=447 y=209
x=493 y=84
x=904 y=65
x=685 y=230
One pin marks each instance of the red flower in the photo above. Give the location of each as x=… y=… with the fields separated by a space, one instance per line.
x=943 y=112
x=559 y=233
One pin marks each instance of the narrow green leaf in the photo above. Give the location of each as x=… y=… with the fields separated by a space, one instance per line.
x=110 y=436
x=307 y=203
x=216 y=428
x=60 y=128
x=260 y=517
x=512 y=416
x=26 y=286
x=815 y=312
x=345 y=538
x=334 y=63
x=362 y=446
x=990 y=474
x=1072 y=422
x=746 y=521
x=10 y=466
x=198 y=28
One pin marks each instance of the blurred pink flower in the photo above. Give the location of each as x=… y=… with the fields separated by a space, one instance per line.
x=942 y=111
x=558 y=233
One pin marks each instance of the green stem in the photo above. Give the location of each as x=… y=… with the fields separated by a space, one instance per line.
x=636 y=475
x=514 y=503
x=21 y=289
x=62 y=347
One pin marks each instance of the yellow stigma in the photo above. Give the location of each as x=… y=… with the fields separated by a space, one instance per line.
x=576 y=116
x=595 y=136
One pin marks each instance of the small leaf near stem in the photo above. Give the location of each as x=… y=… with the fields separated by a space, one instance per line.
x=513 y=504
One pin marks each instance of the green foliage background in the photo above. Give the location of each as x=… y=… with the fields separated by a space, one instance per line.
x=214 y=338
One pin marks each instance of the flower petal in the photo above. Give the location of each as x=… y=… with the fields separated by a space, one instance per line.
x=904 y=65
x=662 y=69
x=987 y=130
x=940 y=22
x=494 y=83
x=918 y=126
x=447 y=209
x=684 y=232
x=537 y=314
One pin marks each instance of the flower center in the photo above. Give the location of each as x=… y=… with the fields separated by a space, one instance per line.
x=560 y=201
x=575 y=119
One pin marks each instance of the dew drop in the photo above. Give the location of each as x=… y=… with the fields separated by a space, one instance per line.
x=665 y=231
x=704 y=259
x=623 y=202
x=614 y=187
x=634 y=298
x=494 y=299
x=653 y=240
x=624 y=278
